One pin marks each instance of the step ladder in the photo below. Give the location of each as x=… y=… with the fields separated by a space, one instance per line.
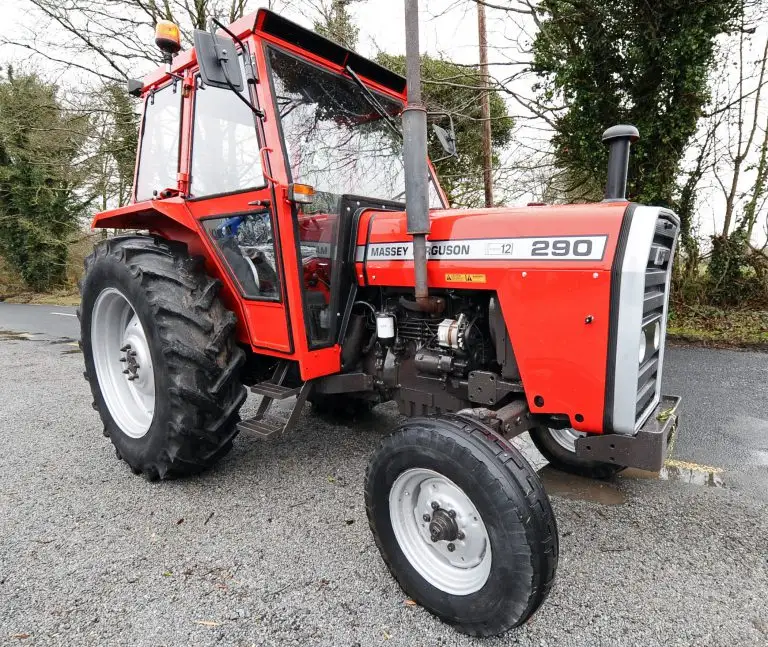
x=272 y=390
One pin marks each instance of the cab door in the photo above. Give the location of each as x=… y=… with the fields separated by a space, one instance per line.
x=230 y=196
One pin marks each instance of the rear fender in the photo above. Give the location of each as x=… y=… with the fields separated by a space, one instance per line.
x=171 y=220
x=150 y=214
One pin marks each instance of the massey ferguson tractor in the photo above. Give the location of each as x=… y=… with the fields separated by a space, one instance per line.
x=295 y=241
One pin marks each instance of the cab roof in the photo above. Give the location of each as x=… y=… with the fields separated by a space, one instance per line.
x=272 y=24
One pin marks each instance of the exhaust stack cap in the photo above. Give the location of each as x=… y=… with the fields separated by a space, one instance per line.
x=621 y=132
x=618 y=139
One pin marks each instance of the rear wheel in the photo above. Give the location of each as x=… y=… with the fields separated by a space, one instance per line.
x=558 y=446
x=160 y=356
x=463 y=523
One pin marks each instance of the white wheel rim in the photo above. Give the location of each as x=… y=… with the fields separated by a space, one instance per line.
x=566 y=438
x=123 y=363
x=460 y=571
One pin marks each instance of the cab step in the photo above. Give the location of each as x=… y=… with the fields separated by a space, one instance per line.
x=261 y=428
x=275 y=391
x=271 y=391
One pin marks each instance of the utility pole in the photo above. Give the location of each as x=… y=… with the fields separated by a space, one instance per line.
x=485 y=105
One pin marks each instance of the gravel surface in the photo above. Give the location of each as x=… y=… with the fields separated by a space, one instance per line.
x=272 y=546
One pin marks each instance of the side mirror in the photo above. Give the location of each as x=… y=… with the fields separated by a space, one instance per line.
x=135 y=87
x=447 y=139
x=217 y=58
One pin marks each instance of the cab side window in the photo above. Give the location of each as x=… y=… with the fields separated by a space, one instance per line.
x=225 y=147
x=159 y=156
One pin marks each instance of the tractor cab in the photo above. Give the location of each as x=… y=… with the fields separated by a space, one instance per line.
x=273 y=156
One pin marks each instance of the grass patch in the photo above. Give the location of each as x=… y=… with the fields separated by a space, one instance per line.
x=14 y=290
x=712 y=326
x=63 y=297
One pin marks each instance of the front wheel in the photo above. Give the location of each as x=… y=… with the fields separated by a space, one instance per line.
x=558 y=446
x=463 y=523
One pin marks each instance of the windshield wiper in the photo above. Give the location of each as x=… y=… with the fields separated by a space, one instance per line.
x=373 y=101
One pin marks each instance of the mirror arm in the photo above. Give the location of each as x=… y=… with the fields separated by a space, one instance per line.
x=250 y=73
x=229 y=33
x=260 y=114
x=231 y=85
x=173 y=75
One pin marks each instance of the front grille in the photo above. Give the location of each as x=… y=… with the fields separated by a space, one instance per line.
x=657 y=277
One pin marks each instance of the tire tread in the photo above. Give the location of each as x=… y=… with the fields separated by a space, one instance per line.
x=510 y=477
x=197 y=345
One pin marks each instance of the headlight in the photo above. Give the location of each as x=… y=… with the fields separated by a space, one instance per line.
x=643 y=346
x=657 y=335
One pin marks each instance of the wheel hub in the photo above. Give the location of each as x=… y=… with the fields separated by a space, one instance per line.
x=440 y=531
x=131 y=365
x=123 y=362
x=443 y=526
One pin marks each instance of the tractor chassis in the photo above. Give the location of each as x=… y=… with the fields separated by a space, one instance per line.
x=645 y=450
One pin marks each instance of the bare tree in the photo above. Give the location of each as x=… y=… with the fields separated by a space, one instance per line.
x=743 y=115
x=112 y=39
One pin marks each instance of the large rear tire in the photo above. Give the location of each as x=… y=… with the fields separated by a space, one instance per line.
x=558 y=446
x=160 y=356
x=463 y=523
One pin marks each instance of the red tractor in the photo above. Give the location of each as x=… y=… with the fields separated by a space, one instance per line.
x=278 y=254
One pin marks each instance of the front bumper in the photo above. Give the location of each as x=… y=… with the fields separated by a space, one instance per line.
x=646 y=450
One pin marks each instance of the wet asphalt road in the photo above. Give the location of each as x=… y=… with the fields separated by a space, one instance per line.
x=48 y=321
x=724 y=408
x=271 y=547
x=724 y=419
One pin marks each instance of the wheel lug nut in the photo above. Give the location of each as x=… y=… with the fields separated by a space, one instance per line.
x=125 y=371
x=125 y=348
x=122 y=359
x=452 y=514
x=426 y=517
x=451 y=548
x=434 y=537
x=435 y=505
x=460 y=535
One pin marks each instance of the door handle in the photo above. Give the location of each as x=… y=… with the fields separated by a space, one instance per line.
x=260 y=203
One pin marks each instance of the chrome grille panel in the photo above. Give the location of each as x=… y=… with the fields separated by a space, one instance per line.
x=657 y=283
x=639 y=295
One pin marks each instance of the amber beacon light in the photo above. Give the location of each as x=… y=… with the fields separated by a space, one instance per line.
x=168 y=39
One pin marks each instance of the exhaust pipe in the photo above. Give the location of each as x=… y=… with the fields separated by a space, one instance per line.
x=618 y=139
x=415 y=157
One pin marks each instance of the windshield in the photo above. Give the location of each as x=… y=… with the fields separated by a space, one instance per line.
x=335 y=139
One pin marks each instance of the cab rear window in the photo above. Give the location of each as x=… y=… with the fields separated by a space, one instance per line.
x=159 y=153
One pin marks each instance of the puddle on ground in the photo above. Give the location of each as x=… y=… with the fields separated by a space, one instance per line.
x=571 y=486
x=12 y=335
x=579 y=488
x=681 y=472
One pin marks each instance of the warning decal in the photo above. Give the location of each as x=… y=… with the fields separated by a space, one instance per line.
x=465 y=278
